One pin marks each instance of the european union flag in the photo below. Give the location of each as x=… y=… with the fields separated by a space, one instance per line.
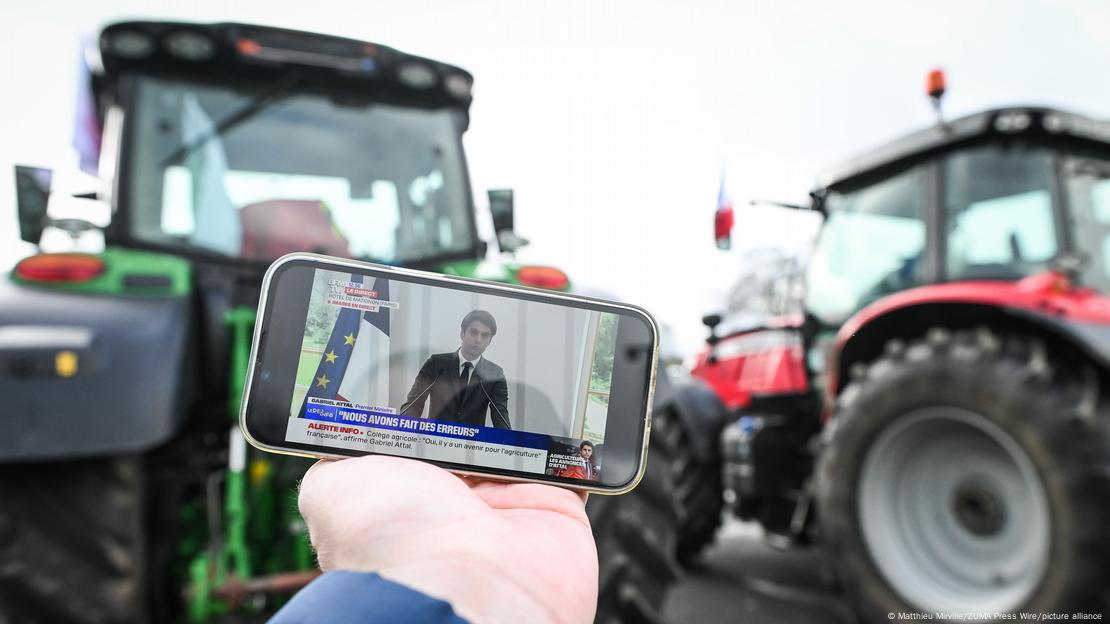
x=337 y=355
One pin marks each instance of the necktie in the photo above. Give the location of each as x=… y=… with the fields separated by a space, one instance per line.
x=464 y=376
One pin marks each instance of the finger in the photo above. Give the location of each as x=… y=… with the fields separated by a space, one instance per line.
x=314 y=470
x=474 y=482
x=531 y=496
x=309 y=487
x=370 y=470
x=358 y=485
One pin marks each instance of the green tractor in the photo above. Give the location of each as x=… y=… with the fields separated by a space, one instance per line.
x=129 y=492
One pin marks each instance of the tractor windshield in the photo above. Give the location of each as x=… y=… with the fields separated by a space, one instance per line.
x=261 y=174
x=871 y=246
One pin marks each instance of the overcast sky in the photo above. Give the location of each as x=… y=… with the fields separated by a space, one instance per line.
x=613 y=120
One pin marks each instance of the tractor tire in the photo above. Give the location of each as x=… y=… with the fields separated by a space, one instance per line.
x=71 y=542
x=969 y=473
x=698 y=488
x=636 y=534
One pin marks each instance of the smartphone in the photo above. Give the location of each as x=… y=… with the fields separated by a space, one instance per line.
x=481 y=378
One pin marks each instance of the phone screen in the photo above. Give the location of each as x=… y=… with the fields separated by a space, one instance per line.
x=465 y=377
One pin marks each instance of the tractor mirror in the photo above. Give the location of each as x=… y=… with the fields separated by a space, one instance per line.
x=32 y=190
x=501 y=207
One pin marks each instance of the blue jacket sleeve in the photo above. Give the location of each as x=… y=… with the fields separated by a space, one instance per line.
x=341 y=597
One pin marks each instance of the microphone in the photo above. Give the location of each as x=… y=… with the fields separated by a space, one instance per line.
x=508 y=425
x=425 y=391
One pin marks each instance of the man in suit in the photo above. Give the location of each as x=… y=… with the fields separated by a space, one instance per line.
x=586 y=468
x=464 y=386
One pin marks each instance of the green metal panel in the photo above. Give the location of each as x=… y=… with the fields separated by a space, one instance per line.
x=236 y=508
x=493 y=270
x=479 y=269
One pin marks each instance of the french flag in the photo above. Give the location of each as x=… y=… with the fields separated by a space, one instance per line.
x=723 y=219
x=366 y=380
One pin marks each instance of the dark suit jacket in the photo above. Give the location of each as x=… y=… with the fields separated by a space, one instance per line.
x=487 y=392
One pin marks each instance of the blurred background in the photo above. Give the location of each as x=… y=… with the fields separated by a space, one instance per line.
x=624 y=130
x=614 y=123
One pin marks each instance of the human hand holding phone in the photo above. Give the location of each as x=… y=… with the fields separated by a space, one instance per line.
x=498 y=552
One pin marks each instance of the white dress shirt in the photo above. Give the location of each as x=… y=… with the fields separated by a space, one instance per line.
x=473 y=366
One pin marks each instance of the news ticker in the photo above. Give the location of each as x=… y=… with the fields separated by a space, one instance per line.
x=382 y=430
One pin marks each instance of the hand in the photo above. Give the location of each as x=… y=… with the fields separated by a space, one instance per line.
x=498 y=552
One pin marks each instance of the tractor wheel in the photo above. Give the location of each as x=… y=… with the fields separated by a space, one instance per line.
x=71 y=542
x=697 y=487
x=636 y=535
x=968 y=473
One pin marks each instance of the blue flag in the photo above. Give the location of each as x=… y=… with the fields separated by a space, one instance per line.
x=333 y=363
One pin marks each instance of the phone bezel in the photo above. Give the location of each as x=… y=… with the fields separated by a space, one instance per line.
x=473 y=285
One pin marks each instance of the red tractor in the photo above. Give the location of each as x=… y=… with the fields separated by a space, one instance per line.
x=938 y=417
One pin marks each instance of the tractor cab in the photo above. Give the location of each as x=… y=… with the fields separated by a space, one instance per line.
x=997 y=196
x=232 y=142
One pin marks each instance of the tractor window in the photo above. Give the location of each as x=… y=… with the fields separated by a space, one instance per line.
x=999 y=213
x=299 y=172
x=1089 y=201
x=871 y=246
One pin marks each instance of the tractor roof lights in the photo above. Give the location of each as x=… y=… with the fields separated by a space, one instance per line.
x=189 y=45
x=248 y=47
x=417 y=75
x=1054 y=123
x=130 y=44
x=458 y=85
x=1012 y=121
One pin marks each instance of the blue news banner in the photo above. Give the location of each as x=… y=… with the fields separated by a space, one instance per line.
x=336 y=424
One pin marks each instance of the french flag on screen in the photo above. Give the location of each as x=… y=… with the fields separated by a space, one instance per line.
x=366 y=381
